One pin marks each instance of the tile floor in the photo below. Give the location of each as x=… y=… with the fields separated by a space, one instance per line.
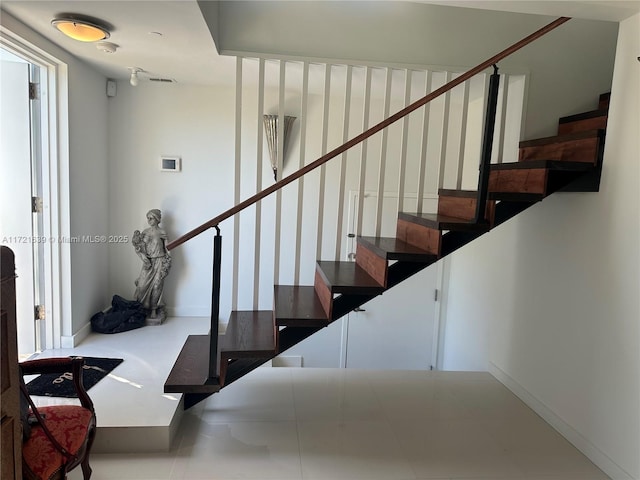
x=332 y=424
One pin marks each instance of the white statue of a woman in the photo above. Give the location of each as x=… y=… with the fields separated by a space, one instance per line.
x=150 y=246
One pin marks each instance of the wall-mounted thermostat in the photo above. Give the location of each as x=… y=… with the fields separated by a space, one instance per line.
x=170 y=163
x=112 y=88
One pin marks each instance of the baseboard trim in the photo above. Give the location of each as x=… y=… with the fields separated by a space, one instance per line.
x=188 y=311
x=599 y=458
x=72 y=341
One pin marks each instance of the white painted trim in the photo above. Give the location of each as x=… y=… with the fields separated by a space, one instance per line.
x=383 y=153
x=343 y=161
x=189 y=312
x=359 y=63
x=344 y=340
x=485 y=103
x=303 y=139
x=72 y=341
x=601 y=459
x=236 y=185
x=55 y=173
x=442 y=314
x=280 y=164
x=282 y=79
x=61 y=218
x=422 y=167
x=435 y=346
x=258 y=206
x=503 y=116
x=323 y=168
x=445 y=131
x=363 y=152
x=405 y=136
x=525 y=103
x=463 y=133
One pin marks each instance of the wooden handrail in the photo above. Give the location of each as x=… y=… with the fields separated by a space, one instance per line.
x=368 y=133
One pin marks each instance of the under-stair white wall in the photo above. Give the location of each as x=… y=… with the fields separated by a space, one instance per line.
x=549 y=301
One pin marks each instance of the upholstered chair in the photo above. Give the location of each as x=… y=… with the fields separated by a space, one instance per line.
x=56 y=438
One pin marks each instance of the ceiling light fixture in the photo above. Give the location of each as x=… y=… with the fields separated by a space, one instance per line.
x=83 y=29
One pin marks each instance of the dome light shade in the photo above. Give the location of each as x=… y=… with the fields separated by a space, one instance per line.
x=81 y=29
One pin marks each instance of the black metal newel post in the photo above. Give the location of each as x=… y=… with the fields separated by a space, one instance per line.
x=214 y=367
x=487 y=146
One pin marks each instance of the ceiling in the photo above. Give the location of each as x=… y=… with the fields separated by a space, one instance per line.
x=171 y=40
x=184 y=52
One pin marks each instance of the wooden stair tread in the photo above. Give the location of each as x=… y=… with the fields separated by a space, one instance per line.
x=249 y=334
x=560 y=138
x=545 y=164
x=347 y=277
x=533 y=180
x=577 y=146
x=463 y=204
x=443 y=222
x=191 y=370
x=583 y=116
x=395 y=249
x=298 y=306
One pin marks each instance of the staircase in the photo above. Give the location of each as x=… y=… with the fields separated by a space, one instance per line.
x=568 y=162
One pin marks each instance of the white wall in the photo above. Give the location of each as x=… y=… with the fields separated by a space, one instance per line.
x=88 y=192
x=553 y=295
x=196 y=123
x=83 y=195
x=579 y=53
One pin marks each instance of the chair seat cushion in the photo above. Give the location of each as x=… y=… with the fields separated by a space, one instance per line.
x=69 y=425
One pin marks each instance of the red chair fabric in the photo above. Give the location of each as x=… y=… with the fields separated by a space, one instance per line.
x=69 y=425
x=62 y=435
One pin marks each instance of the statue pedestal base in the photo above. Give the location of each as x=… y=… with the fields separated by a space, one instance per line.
x=161 y=316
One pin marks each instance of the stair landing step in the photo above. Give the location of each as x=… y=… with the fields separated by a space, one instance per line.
x=396 y=249
x=249 y=334
x=347 y=277
x=443 y=222
x=190 y=372
x=298 y=306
